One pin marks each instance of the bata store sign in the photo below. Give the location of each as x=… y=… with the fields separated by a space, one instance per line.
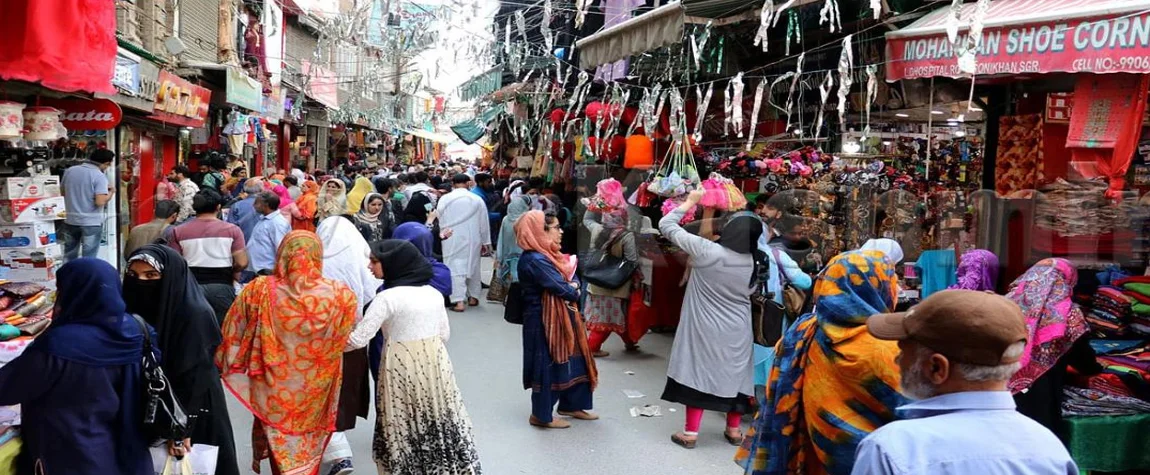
x=1084 y=45
x=87 y=114
x=180 y=102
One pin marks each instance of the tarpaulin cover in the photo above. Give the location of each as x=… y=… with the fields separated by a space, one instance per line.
x=66 y=45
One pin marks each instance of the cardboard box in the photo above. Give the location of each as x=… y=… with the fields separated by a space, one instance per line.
x=10 y=256
x=28 y=210
x=31 y=274
x=37 y=234
x=43 y=186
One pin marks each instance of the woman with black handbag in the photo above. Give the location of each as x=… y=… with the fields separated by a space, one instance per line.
x=606 y=308
x=160 y=288
x=81 y=382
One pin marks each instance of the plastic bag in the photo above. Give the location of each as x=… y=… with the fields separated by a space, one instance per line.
x=200 y=460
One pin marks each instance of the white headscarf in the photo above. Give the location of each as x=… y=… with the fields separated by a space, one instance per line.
x=345 y=258
x=886 y=246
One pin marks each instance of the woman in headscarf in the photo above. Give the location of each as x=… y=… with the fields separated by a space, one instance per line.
x=1056 y=340
x=373 y=221
x=332 y=199
x=160 y=288
x=281 y=356
x=345 y=259
x=887 y=246
x=557 y=362
x=308 y=205
x=977 y=270
x=711 y=367
x=79 y=383
x=507 y=250
x=358 y=192
x=422 y=424
x=287 y=208
x=606 y=309
x=832 y=383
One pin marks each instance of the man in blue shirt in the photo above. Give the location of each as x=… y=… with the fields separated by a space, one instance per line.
x=958 y=350
x=243 y=213
x=86 y=191
x=268 y=233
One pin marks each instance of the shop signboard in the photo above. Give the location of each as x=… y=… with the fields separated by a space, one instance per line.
x=321 y=84
x=126 y=76
x=136 y=82
x=1098 y=44
x=244 y=91
x=87 y=114
x=274 y=106
x=180 y=102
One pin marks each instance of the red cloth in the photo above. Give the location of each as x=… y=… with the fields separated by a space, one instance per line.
x=1115 y=245
x=640 y=317
x=1106 y=123
x=66 y=45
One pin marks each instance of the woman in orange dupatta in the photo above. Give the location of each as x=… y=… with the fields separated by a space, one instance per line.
x=282 y=352
x=308 y=204
x=557 y=362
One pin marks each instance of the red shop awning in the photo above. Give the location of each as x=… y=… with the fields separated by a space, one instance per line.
x=66 y=45
x=1029 y=36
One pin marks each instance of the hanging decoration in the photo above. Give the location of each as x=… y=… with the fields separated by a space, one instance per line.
x=545 y=26
x=507 y=38
x=765 y=17
x=728 y=105
x=581 y=7
x=701 y=112
x=846 y=63
x=795 y=85
x=793 y=30
x=830 y=14
x=876 y=8
x=871 y=94
x=697 y=45
x=755 y=112
x=737 y=104
x=967 y=58
x=521 y=23
x=824 y=93
x=779 y=11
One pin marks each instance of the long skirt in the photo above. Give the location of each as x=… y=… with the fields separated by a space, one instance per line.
x=422 y=425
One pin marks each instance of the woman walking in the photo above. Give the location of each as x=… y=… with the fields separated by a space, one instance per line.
x=507 y=250
x=160 y=288
x=358 y=192
x=332 y=200
x=373 y=221
x=308 y=204
x=711 y=358
x=607 y=308
x=422 y=425
x=79 y=384
x=832 y=382
x=287 y=206
x=345 y=259
x=421 y=237
x=281 y=356
x=557 y=362
x=978 y=270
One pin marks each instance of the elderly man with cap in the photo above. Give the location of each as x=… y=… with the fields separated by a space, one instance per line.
x=466 y=215
x=958 y=350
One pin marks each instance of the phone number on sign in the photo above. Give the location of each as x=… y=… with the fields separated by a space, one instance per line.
x=1125 y=63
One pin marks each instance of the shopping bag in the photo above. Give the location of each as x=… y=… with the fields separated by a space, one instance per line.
x=497 y=291
x=200 y=460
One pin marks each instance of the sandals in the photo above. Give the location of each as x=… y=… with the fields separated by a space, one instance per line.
x=581 y=415
x=682 y=441
x=632 y=349
x=736 y=441
x=554 y=424
x=600 y=354
x=458 y=308
x=473 y=302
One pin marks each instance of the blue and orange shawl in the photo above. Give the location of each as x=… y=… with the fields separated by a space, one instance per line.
x=812 y=425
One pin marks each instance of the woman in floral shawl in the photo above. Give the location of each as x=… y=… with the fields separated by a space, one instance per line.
x=281 y=355
x=308 y=206
x=832 y=382
x=977 y=270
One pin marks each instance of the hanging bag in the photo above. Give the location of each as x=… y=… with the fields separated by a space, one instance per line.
x=766 y=317
x=513 y=304
x=794 y=300
x=164 y=416
x=607 y=270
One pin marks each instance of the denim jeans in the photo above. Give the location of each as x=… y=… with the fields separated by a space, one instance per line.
x=77 y=236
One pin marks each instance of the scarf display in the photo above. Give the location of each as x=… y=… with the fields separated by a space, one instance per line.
x=564 y=326
x=1053 y=321
x=403 y=265
x=358 y=192
x=282 y=351
x=820 y=362
x=331 y=204
x=419 y=236
x=977 y=270
x=345 y=258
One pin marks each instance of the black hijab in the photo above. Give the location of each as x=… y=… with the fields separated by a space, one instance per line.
x=741 y=234
x=187 y=333
x=403 y=264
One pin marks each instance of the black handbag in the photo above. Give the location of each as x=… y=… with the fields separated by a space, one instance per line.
x=766 y=318
x=164 y=416
x=513 y=305
x=606 y=270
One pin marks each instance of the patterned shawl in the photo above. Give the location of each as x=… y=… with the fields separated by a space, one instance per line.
x=308 y=206
x=282 y=354
x=1053 y=321
x=977 y=270
x=813 y=424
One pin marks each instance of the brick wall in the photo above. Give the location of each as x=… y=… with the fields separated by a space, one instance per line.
x=199 y=29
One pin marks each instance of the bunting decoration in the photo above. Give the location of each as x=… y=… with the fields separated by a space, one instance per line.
x=755 y=112
x=824 y=93
x=701 y=113
x=846 y=63
x=765 y=18
x=737 y=104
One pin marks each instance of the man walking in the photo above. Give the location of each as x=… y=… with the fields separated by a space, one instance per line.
x=214 y=250
x=147 y=233
x=466 y=215
x=243 y=212
x=182 y=177
x=268 y=233
x=958 y=350
x=86 y=191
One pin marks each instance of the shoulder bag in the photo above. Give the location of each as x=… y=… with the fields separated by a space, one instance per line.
x=794 y=300
x=766 y=317
x=513 y=304
x=607 y=270
x=164 y=416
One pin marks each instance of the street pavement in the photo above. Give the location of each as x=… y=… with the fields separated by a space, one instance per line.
x=488 y=360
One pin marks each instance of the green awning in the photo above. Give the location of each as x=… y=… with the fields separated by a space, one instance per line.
x=482 y=84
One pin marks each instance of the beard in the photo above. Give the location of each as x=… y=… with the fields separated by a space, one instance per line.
x=916 y=386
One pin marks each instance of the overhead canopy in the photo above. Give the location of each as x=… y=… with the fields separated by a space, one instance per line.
x=432 y=136
x=659 y=27
x=1028 y=36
